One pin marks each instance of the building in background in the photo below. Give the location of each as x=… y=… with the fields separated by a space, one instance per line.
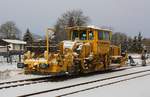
x=11 y=45
x=10 y=48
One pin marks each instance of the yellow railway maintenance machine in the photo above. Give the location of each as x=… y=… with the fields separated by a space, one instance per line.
x=88 y=49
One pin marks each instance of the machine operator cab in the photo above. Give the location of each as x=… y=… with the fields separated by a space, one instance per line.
x=98 y=37
x=84 y=33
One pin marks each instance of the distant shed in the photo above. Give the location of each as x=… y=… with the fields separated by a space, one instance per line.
x=3 y=48
x=12 y=45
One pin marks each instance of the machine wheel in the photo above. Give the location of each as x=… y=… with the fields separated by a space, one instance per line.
x=75 y=69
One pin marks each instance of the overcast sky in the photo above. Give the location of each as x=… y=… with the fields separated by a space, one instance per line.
x=127 y=16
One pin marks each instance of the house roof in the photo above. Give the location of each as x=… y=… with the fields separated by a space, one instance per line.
x=14 y=41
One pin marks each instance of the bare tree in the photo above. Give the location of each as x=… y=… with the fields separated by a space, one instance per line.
x=9 y=30
x=118 y=38
x=69 y=19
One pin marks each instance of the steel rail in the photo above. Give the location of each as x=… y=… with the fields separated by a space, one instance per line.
x=28 y=82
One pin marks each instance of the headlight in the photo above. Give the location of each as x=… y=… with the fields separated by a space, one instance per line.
x=43 y=65
x=21 y=65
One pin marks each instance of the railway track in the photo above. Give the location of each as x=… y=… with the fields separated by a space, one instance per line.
x=102 y=85
x=77 y=86
x=16 y=83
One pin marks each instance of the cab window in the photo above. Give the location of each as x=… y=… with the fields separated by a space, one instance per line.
x=75 y=35
x=91 y=35
x=83 y=35
x=100 y=35
x=106 y=34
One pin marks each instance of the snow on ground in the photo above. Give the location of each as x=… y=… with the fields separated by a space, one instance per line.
x=133 y=88
x=6 y=70
x=10 y=72
x=8 y=66
x=137 y=58
x=134 y=55
x=73 y=89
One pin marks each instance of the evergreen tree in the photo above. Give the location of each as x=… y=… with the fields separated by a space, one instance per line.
x=136 y=45
x=139 y=37
x=139 y=43
x=28 y=37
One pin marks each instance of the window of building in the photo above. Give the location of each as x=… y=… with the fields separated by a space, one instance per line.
x=21 y=47
x=14 y=46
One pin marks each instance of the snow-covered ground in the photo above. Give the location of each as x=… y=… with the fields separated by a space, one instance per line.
x=10 y=72
x=7 y=70
x=133 y=88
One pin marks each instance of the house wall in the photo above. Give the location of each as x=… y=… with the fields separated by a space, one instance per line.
x=10 y=47
x=3 y=49
x=16 y=47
